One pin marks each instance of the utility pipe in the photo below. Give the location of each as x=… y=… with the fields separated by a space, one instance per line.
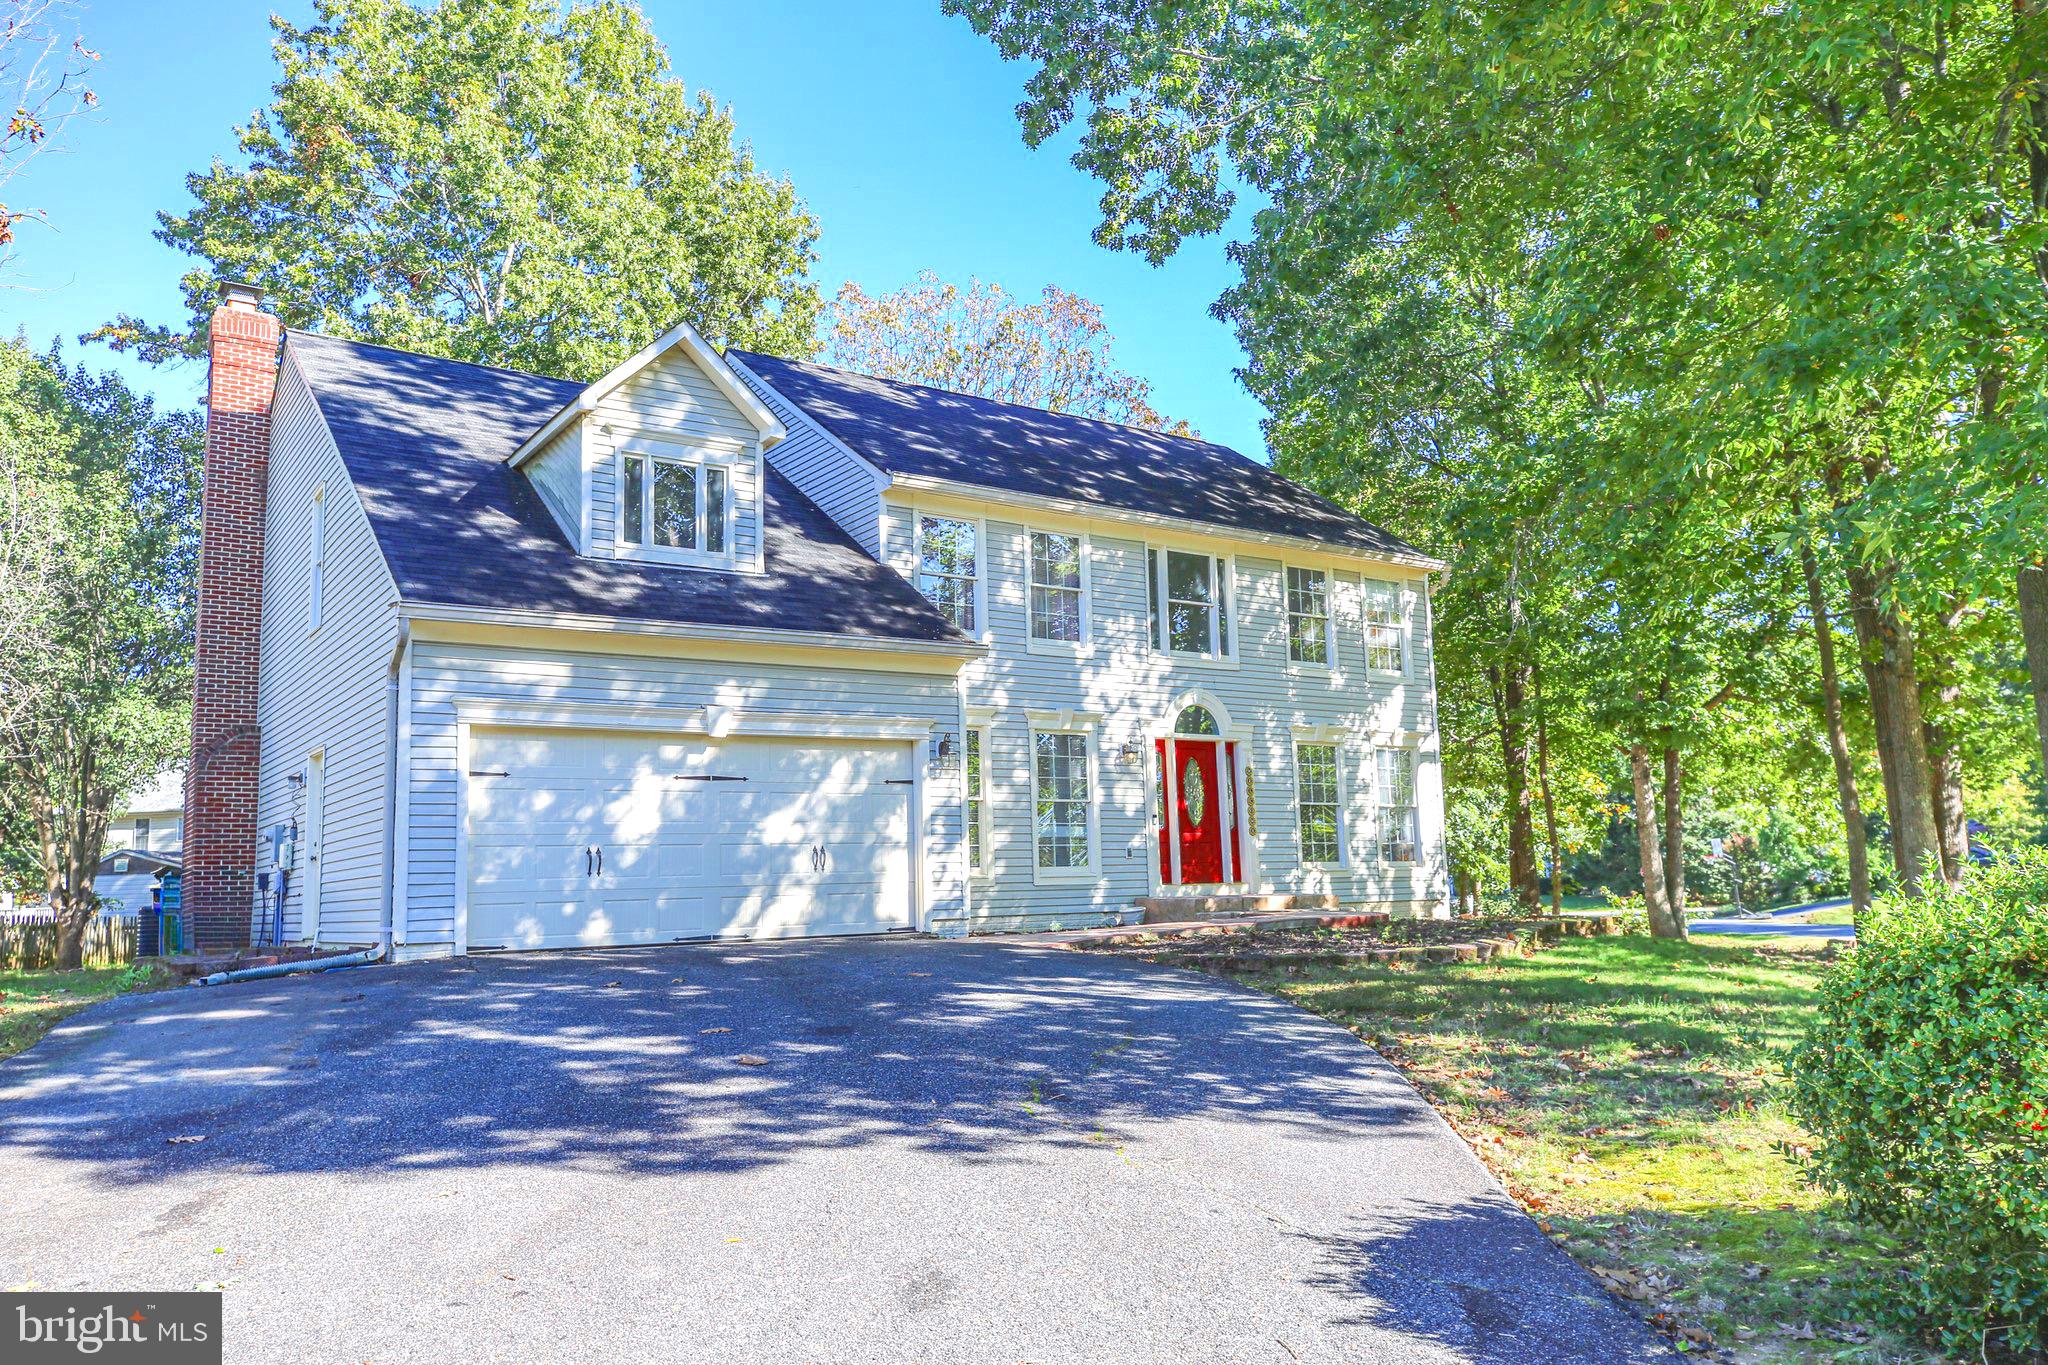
x=317 y=964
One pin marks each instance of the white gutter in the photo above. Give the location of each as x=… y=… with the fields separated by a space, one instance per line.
x=679 y=630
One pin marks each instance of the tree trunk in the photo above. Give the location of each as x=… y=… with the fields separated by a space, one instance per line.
x=1939 y=695
x=1674 y=835
x=1853 y=831
x=2033 y=605
x=1663 y=923
x=1514 y=745
x=1886 y=654
x=1543 y=780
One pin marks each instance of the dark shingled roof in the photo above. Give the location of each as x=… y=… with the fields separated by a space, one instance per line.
x=912 y=429
x=425 y=441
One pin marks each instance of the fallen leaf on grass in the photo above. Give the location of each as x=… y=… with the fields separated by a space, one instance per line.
x=196 y=1137
x=749 y=1059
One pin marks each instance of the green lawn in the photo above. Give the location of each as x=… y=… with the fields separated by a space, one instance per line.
x=1626 y=1091
x=1839 y=914
x=31 y=1002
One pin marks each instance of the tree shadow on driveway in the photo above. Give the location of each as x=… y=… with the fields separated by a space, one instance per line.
x=682 y=1059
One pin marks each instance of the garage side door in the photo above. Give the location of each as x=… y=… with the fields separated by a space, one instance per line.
x=591 y=839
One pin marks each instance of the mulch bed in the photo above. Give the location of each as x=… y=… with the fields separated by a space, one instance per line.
x=1360 y=938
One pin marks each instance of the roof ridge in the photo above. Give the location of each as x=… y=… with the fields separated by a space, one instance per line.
x=1001 y=403
x=428 y=355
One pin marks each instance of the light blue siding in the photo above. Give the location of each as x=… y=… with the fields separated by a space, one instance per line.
x=1135 y=689
x=843 y=486
x=445 y=674
x=324 y=689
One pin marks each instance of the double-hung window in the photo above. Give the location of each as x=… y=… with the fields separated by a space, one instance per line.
x=1308 y=617
x=1386 y=628
x=1319 y=805
x=976 y=768
x=1190 y=599
x=1063 y=800
x=141 y=844
x=1058 y=592
x=947 y=567
x=676 y=506
x=1397 y=824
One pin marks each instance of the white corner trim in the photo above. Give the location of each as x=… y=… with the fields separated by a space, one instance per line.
x=710 y=361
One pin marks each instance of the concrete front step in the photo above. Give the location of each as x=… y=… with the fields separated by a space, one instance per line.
x=1180 y=909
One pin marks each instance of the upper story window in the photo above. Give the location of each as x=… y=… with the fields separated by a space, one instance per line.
x=1190 y=596
x=1386 y=628
x=1058 y=606
x=675 y=506
x=948 y=567
x=1308 y=617
x=141 y=843
x=1399 y=836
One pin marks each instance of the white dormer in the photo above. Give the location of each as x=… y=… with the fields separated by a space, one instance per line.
x=659 y=460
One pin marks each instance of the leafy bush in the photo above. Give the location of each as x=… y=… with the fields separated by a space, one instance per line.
x=1924 y=1078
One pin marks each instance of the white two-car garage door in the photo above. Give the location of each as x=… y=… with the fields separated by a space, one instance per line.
x=578 y=839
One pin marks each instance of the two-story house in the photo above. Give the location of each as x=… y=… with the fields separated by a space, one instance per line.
x=732 y=645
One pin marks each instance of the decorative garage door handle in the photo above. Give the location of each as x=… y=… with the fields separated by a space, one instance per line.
x=588 y=852
x=817 y=858
x=600 y=861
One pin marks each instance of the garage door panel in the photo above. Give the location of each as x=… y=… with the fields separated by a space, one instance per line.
x=684 y=858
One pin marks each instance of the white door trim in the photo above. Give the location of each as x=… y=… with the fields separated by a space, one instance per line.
x=316 y=816
x=718 y=722
x=919 y=862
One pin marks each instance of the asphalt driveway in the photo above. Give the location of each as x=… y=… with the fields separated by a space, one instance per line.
x=951 y=1152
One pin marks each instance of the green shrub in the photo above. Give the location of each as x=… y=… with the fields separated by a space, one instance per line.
x=1924 y=1079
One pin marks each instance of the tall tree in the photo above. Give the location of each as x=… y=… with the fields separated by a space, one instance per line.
x=44 y=73
x=502 y=181
x=112 y=630
x=1055 y=353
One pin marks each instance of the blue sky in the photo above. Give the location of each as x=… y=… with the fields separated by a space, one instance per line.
x=895 y=122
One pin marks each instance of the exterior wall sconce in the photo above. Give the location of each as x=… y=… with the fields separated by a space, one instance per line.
x=1128 y=754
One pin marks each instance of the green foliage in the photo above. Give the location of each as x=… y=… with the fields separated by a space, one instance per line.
x=1925 y=1076
x=504 y=181
x=96 y=625
x=1052 y=354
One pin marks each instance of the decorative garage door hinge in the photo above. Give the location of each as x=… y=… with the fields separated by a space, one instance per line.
x=707 y=777
x=488 y=772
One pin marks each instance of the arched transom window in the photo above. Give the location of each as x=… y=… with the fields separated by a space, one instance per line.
x=1195 y=720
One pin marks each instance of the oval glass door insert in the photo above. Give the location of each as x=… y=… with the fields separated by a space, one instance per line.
x=1192 y=793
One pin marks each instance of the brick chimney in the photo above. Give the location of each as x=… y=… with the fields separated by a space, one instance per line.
x=220 y=780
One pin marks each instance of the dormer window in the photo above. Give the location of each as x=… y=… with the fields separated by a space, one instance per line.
x=675 y=503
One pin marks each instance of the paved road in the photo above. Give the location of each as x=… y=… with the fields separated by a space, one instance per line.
x=953 y=1152
x=1774 y=923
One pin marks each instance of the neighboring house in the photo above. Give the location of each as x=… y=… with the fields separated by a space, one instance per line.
x=740 y=646
x=143 y=840
x=152 y=819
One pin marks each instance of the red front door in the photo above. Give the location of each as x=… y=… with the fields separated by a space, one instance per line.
x=1193 y=786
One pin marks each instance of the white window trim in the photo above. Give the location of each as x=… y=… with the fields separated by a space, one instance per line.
x=1343 y=862
x=703 y=457
x=1379 y=803
x=316 y=563
x=1032 y=642
x=1224 y=568
x=981 y=630
x=1330 y=632
x=1404 y=602
x=983 y=731
x=1065 y=723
